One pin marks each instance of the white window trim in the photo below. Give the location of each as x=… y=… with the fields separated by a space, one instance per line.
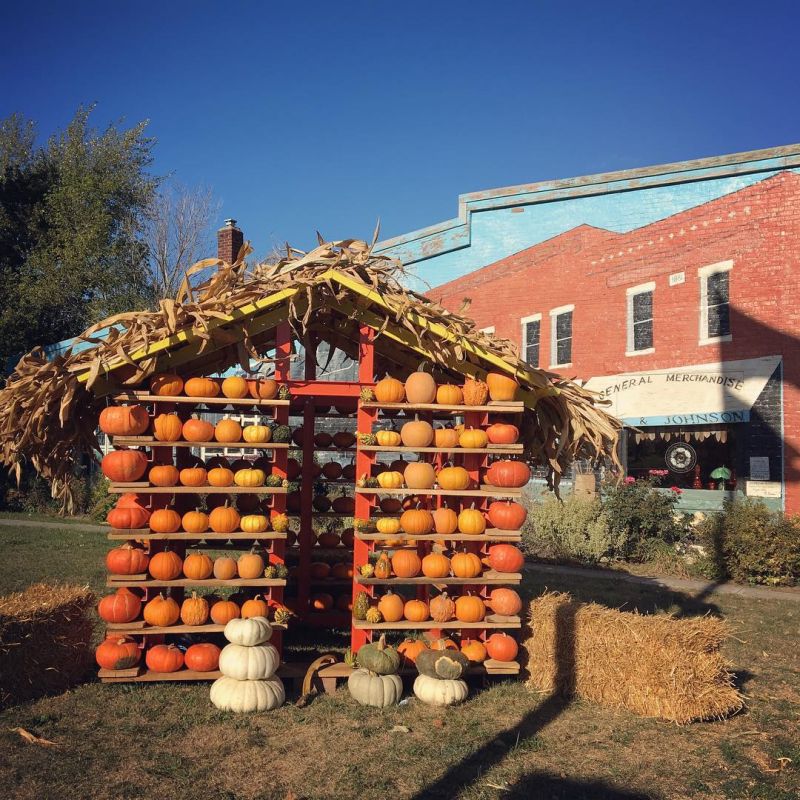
x=630 y=293
x=703 y=274
x=554 y=312
x=524 y=340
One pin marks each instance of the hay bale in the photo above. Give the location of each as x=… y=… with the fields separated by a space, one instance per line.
x=653 y=665
x=45 y=640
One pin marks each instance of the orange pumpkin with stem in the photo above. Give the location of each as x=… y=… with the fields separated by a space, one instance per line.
x=126 y=560
x=465 y=565
x=449 y=395
x=120 y=607
x=197 y=430
x=225 y=568
x=167 y=384
x=224 y=519
x=502 y=387
x=475 y=391
x=506 y=515
x=502 y=647
x=161 y=612
x=257 y=607
x=416 y=522
x=442 y=608
x=164 y=658
x=220 y=476
x=389 y=390
x=505 y=602
x=445 y=520
x=166 y=566
x=165 y=520
x=416 y=611
x=124 y=466
x=128 y=513
x=194 y=610
x=445 y=437
x=193 y=476
x=416 y=433
x=505 y=558
x=473 y=438
x=235 y=387
x=223 y=611
x=409 y=649
x=202 y=657
x=391 y=606
x=250 y=565
x=264 y=389
x=471 y=522
x=502 y=433
x=406 y=563
x=420 y=387
x=228 y=431
x=167 y=427
x=474 y=650
x=117 y=652
x=435 y=565
x=163 y=475
x=201 y=387
x=470 y=608
x=197 y=566
x=195 y=521
x=124 y=420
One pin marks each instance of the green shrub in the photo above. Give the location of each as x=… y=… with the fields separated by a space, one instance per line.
x=638 y=516
x=100 y=501
x=747 y=542
x=575 y=529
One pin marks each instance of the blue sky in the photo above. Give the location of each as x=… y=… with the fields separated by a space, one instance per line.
x=305 y=116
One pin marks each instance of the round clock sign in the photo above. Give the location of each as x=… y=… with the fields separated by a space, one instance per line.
x=680 y=457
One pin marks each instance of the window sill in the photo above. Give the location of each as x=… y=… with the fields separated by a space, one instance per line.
x=646 y=352
x=560 y=366
x=716 y=340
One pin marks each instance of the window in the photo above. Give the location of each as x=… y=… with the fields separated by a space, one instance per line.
x=561 y=336
x=715 y=310
x=640 y=319
x=531 y=333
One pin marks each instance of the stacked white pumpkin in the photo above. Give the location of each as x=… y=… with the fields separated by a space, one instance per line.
x=248 y=665
x=439 y=681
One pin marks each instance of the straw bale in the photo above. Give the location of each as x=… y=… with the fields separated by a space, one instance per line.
x=654 y=665
x=45 y=640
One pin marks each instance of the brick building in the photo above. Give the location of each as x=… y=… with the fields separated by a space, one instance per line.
x=688 y=324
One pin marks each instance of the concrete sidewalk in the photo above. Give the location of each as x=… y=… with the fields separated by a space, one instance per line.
x=676 y=584
x=40 y=523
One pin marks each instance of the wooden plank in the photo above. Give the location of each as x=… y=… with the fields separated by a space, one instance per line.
x=146 y=488
x=150 y=441
x=138 y=576
x=488 y=578
x=511 y=407
x=207 y=582
x=146 y=676
x=492 y=449
x=484 y=491
x=140 y=628
x=149 y=535
x=491 y=535
x=245 y=402
x=491 y=621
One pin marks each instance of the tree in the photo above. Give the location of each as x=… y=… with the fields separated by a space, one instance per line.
x=72 y=216
x=179 y=233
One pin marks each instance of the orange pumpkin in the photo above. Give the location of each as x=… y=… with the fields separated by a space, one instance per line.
x=223 y=611
x=163 y=475
x=128 y=513
x=470 y=608
x=505 y=602
x=202 y=657
x=124 y=466
x=228 y=431
x=166 y=566
x=166 y=384
x=474 y=650
x=449 y=395
x=506 y=515
x=505 y=558
x=198 y=566
x=416 y=611
x=442 y=608
x=257 y=607
x=409 y=649
x=224 y=519
x=165 y=520
x=406 y=564
x=321 y=602
x=435 y=565
x=508 y=474
x=417 y=433
x=476 y=392
x=197 y=430
x=201 y=387
x=465 y=565
x=445 y=437
x=167 y=428
x=121 y=607
x=453 y=479
x=389 y=390
x=419 y=475
x=445 y=520
x=195 y=521
x=420 y=387
x=502 y=387
x=234 y=387
x=164 y=658
x=126 y=560
x=220 y=476
x=161 y=612
x=193 y=476
x=391 y=607
x=265 y=389
x=250 y=565
x=124 y=420
x=117 y=652
x=502 y=647
x=502 y=433
x=225 y=568
x=416 y=521
x=194 y=610
x=473 y=438
x=471 y=522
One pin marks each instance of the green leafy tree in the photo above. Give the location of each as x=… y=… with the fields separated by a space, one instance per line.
x=72 y=217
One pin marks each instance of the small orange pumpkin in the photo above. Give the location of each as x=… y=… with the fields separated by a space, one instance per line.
x=420 y=387
x=165 y=566
x=474 y=650
x=167 y=428
x=220 y=476
x=257 y=607
x=167 y=384
x=198 y=566
x=195 y=521
x=194 y=610
x=228 y=431
x=406 y=564
x=225 y=568
x=445 y=437
x=250 y=565
x=445 y=520
x=163 y=475
x=392 y=607
x=234 y=387
x=416 y=611
x=416 y=433
x=224 y=519
x=419 y=475
x=165 y=520
x=223 y=611
x=501 y=386
x=389 y=390
x=124 y=420
x=193 y=476
x=470 y=608
x=502 y=647
x=449 y=395
x=435 y=565
x=201 y=387
x=197 y=430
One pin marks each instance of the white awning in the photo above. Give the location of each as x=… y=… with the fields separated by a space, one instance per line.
x=700 y=394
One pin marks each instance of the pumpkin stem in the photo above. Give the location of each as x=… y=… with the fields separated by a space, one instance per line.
x=382 y=642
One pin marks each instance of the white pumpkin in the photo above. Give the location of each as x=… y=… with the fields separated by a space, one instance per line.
x=248 y=663
x=248 y=632
x=439 y=692
x=375 y=690
x=229 y=694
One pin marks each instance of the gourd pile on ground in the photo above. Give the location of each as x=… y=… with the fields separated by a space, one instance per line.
x=248 y=665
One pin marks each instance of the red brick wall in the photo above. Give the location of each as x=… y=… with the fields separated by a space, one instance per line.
x=758 y=228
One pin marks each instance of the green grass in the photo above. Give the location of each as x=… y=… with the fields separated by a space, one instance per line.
x=140 y=741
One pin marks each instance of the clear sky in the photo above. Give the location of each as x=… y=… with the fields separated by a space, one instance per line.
x=327 y=115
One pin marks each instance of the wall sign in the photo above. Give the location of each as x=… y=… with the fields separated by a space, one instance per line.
x=680 y=457
x=763 y=489
x=759 y=468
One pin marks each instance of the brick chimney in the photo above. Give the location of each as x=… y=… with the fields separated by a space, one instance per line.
x=229 y=240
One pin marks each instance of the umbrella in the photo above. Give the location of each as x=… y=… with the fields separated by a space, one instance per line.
x=722 y=473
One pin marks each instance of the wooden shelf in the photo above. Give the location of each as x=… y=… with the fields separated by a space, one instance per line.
x=492 y=449
x=491 y=535
x=141 y=628
x=510 y=407
x=150 y=441
x=245 y=402
x=484 y=491
x=144 y=533
x=144 y=675
x=128 y=580
x=146 y=488
x=488 y=578
x=491 y=621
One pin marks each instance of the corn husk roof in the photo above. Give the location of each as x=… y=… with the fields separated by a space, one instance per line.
x=49 y=408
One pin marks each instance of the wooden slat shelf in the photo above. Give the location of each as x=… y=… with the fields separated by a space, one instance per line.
x=488 y=578
x=146 y=488
x=491 y=535
x=491 y=621
x=141 y=628
x=144 y=533
x=129 y=580
x=144 y=675
x=484 y=491
x=245 y=402
x=150 y=441
x=510 y=407
x=492 y=449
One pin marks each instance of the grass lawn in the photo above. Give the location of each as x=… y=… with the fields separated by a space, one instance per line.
x=141 y=741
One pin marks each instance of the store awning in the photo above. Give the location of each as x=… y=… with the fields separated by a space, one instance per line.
x=700 y=394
